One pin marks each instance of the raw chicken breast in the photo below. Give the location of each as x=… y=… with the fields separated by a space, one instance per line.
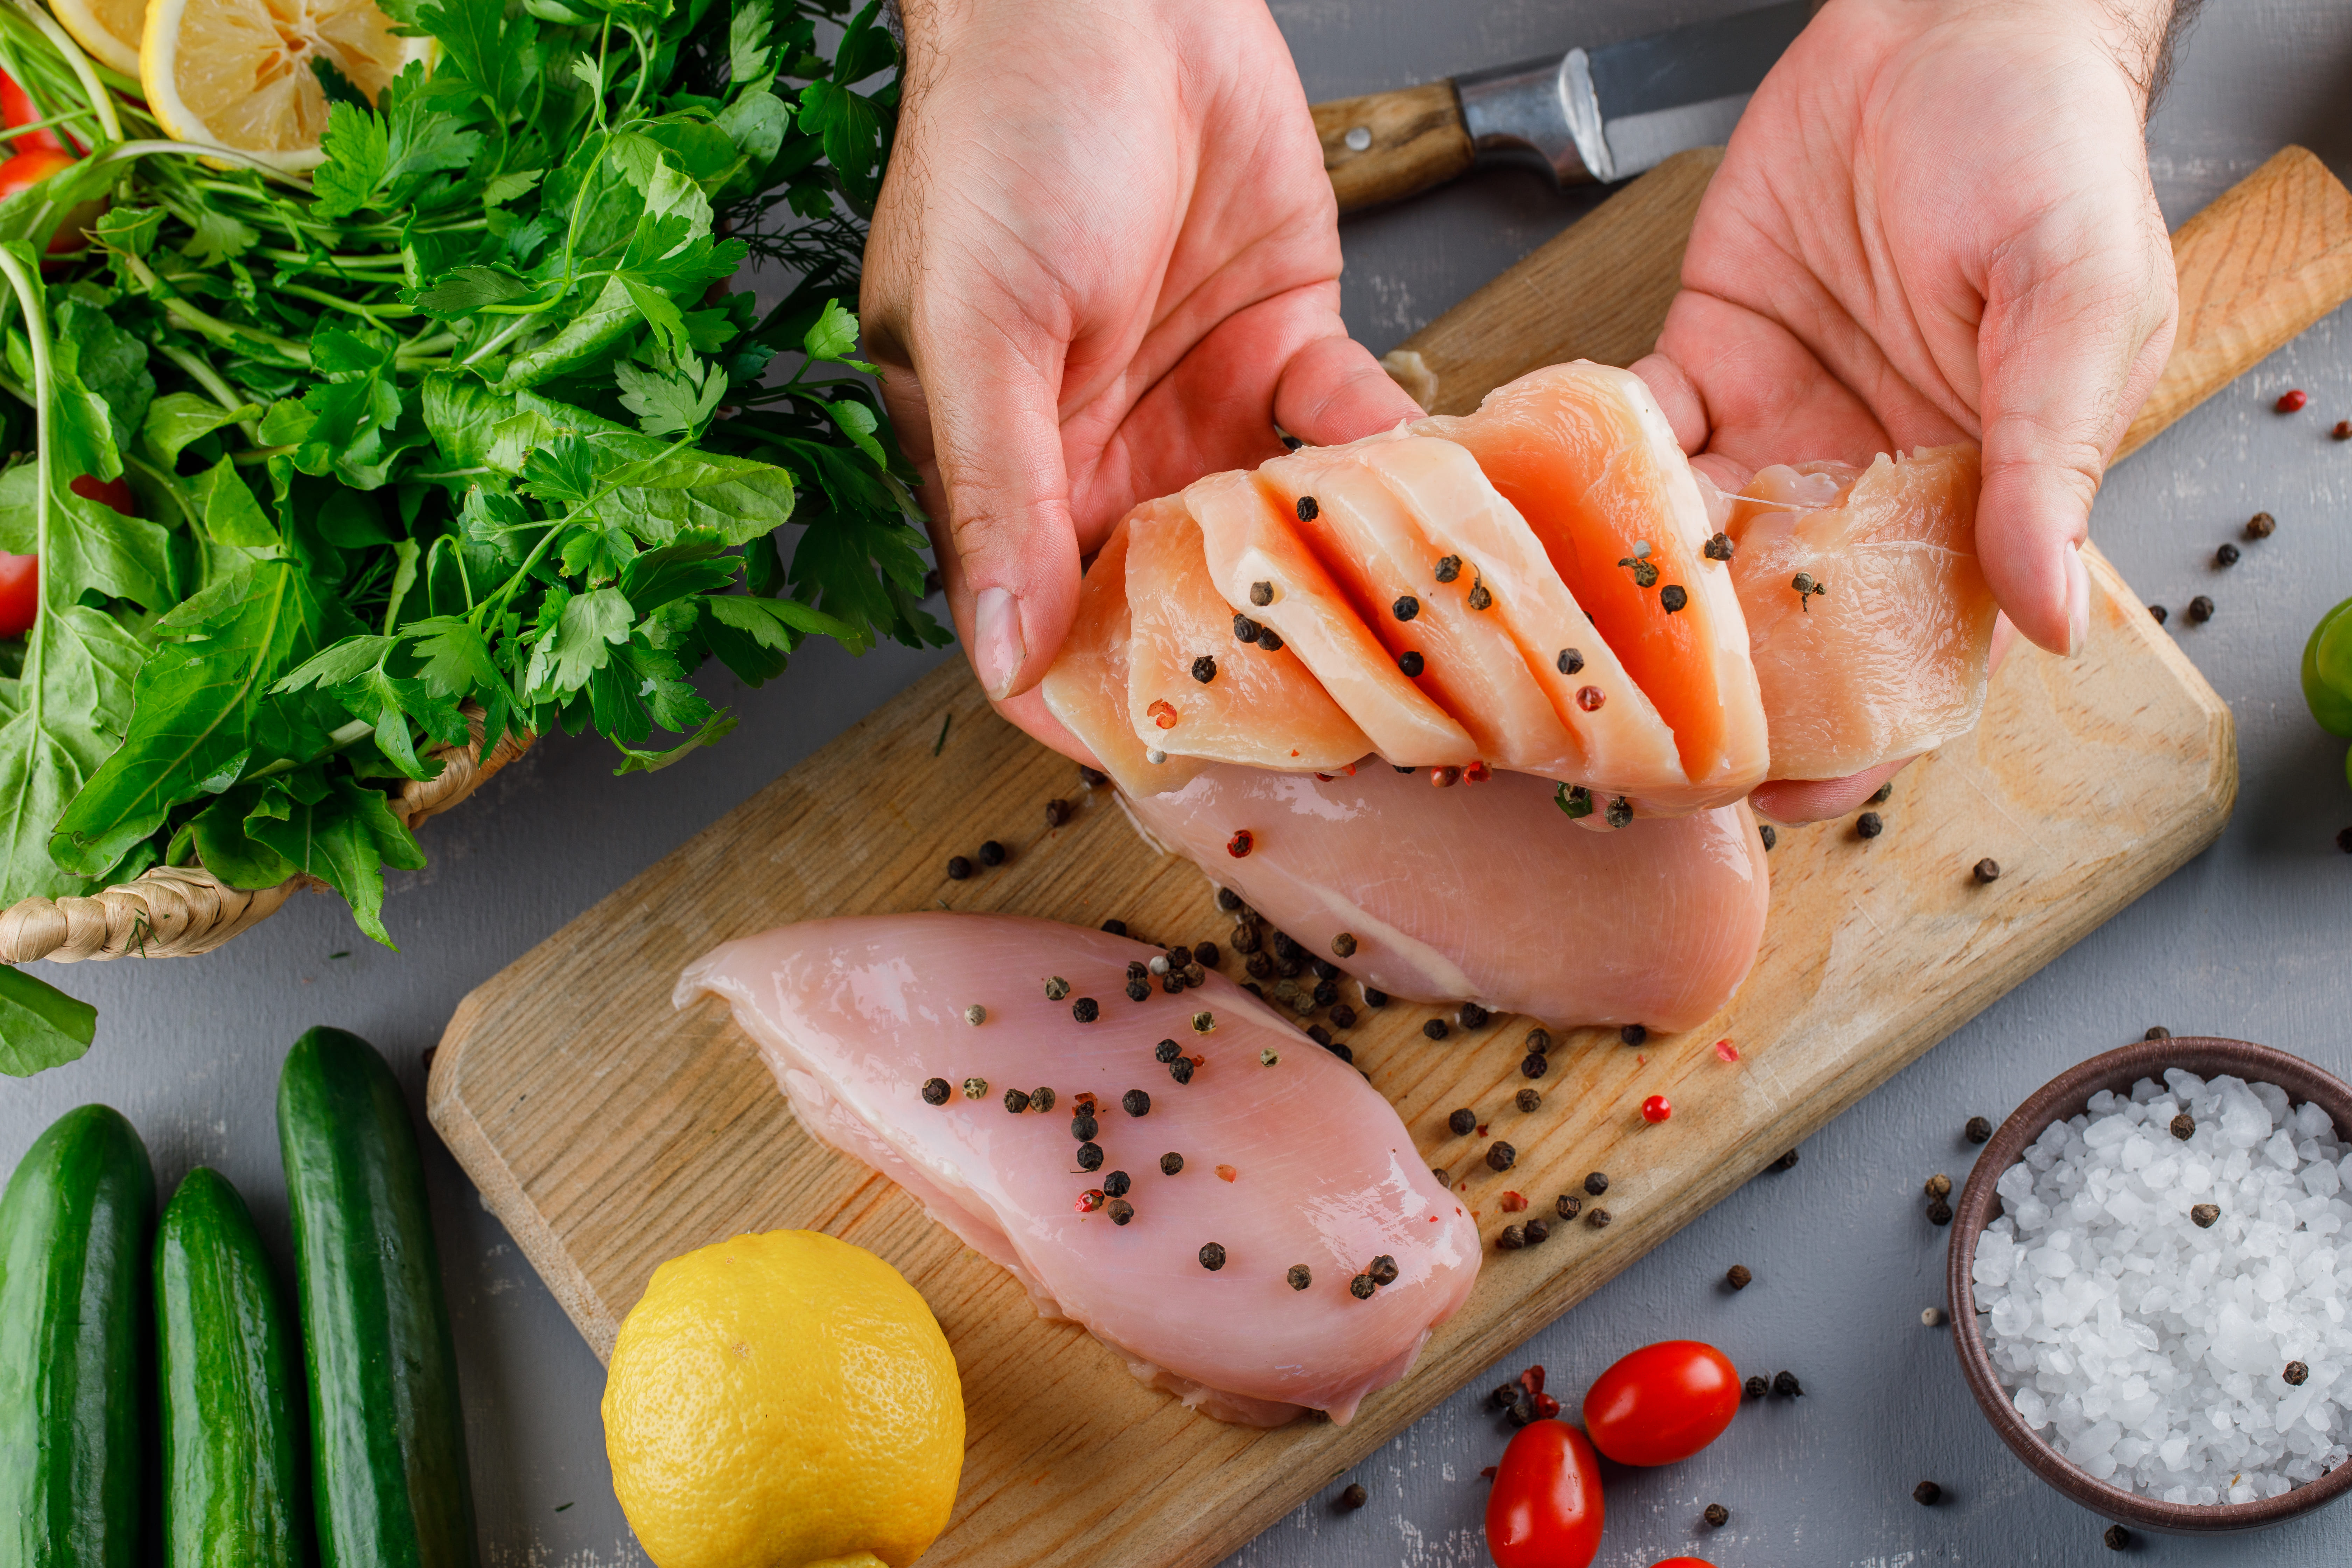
x=1296 y=1162
x=1375 y=548
x=1087 y=687
x=1584 y=454
x=1266 y=570
x=1484 y=892
x=1259 y=706
x=1890 y=659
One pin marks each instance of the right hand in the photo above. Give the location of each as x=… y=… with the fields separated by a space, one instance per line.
x=1104 y=262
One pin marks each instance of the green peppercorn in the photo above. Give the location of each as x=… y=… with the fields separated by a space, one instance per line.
x=1449 y=567
x=975 y=1088
x=1056 y=988
x=1344 y=944
x=1041 y=1100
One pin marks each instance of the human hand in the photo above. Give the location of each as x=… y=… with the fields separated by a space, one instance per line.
x=1934 y=224
x=1104 y=262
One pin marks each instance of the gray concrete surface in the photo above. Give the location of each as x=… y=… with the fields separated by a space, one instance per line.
x=2252 y=940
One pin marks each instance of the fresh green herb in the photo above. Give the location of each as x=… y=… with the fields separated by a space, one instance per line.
x=463 y=430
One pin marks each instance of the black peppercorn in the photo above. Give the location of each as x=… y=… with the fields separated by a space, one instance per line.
x=1512 y=1238
x=1205 y=955
x=1339 y=1048
x=2158 y=614
x=1539 y=1040
x=1717 y=1515
x=1170 y=1162
x=2116 y=1538
x=1926 y=1494
x=1978 y=1130
x=1261 y=595
x=1247 y=938
x=958 y=868
x=1869 y=824
x=1041 y=1100
x=1571 y=661
x=1082 y=1126
x=2157 y=1032
x=1343 y=1016
x=1787 y=1162
x=1228 y=900
x=1406 y=607
x=1284 y=945
x=1015 y=1101
x=1785 y=1385
x=1301 y=1276
x=1090 y=1156
x=1501 y=1156
x=1270 y=639
x=1354 y=1498
x=1718 y=547
x=1673 y=598
x=1308 y=510
x=1533 y=1065
x=1987 y=870
x=1765 y=831
x=1596 y=1183
x=1756 y=1388
x=1885 y=792
x=1521 y=1412
x=1361 y=1287
x=1598 y=1219
x=1375 y=998
x=1246 y=630
x=1470 y=1015
x=991 y=853
x=1260 y=966
x=1384 y=1269
x=1090 y=778
x=1116 y=1184
x=1568 y=1205
x=1326 y=993
x=1441 y=1175
x=1167 y=1051
x=1411 y=663
x=936 y=1092
x=2203 y=1215
x=1940 y=1212
x=1462 y=1123
x=1537 y=1231
x=1180 y=1069
x=1120 y=1211
x=1138 y=990
x=1319 y=1034
x=1057 y=813
x=2184 y=1127
x=1634 y=1034
x=1435 y=1028
x=1134 y=1102
x=1737 y=1276
x=1116 y=928
x=1085 y=1009
x=2201 y=610
x=1212 y=1256
x=1204 y=669
x=1529 y=1099
x=2262 y=525
x=2296 y=1373
x=2226 y=556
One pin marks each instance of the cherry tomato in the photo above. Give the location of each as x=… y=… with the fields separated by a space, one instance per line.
x=1684 y=1562
x=1662 y=1404
x=115 y=493
x=1544 y=1509
x=16 y=109
x=20 y=594
x=23 y=171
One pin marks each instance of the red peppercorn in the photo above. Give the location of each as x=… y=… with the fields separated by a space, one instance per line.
x=1590 y=698
x=1241 y=843
x=1656 y=1109
x=1477 y=772
x=2292 y=402
x=2343 y=431
x=1445 y=778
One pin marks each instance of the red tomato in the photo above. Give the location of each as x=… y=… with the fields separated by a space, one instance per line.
x=1684 y=1562
x=1544 y=1509
x=1663 y=1403
x=20 y=594
x=16 y=109
x=23 y=171
x=115 y=493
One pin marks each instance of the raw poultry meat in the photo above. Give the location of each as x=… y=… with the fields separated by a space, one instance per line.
x=1290 y=1157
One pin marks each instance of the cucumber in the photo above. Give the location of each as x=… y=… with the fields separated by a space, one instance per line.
x=390 y=1488
x=74 y=1341
x=234 y=1492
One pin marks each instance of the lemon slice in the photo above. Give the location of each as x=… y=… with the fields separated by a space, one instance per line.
x=107 y=29
x=236 y=73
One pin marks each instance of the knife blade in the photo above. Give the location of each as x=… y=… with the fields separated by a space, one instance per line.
x=1584 y=117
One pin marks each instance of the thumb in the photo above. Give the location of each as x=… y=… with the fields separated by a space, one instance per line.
x=1333 y=391
x=2078 y=322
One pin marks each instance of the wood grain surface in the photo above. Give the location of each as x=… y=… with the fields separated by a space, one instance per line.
x=1416 y=141
x=609 y=1133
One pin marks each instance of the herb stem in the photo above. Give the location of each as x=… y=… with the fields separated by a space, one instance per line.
x=27 y=289
x=377 y=315
x=101 y=101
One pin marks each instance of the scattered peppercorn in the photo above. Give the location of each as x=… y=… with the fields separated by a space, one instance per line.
x=1082 y=1126
x=1765 y=831
x=1673 y=598
x=1869 y=824
x=2116 y=1538
x=1015 y=1101
x=1737 y=1276
x=1056 y=988
x=1241 y=843
x=1090 y=1156
x=1940 y=1186
x=1308 y=510
x=1204 y=669
x=1656 y=1109
x=1117 y=1183
x=1932 y=1317
x=1355 y=1497
x=1978 y=1130
x=1343 y=1016
x=1807 y=589
x=1568 y=1205
x=2203 y=1215
x=1785 y=1385
x=936 y=1092
x=958 y=868
x=1246 y=630
x=1479 y=597
x=1926 y=1494
x=1987 y=870
x=1539 y=1040
x=1091 y=778
x=1268 y=1057
x=1501 y=1156
x=1325 y=993
x=2296 y=1373
x=1443 y=1177
x=1448 y=568
x=1529 y=1099
x=1373 y=998
x=1324 y=968
x=1719 y=548
x=1361 y=1287
x=2158 y=614
x=1619 y=812
x=2157 y=1032
x=2226 y=556
x=1533 y=1065
x=1041 y=1100
x=1205 y=955
x=1634 y=1034
x=2343 y=431
x=1571 y=661
x=1717 y=1515
x=1120 y=1211
x=2184 y=1127
x=1885 y=792
x=1537 y=1231
x=1261 y=595
x=1787 y=1162
x=1513 y=1238
x=1134 y=1102
x=975 y=1088
x=1259 y=966
x=1940 y=1212
x=1462 y=1123
x=1598 y=1219
x=1596 y=1183
x=1057 y=813
x=2292 y=401
x=2201 y=610
x=1435 y=1028
x=1138 y=990
x=1085 y=1009
x=1344 y=944
x=1212 y=1256
x=1412 y=663
x=1406 y=607
x=1166 y=1051
x=1090 y=1200
x=1116 y=928
x=1180 y=1069
x=1756 y=1388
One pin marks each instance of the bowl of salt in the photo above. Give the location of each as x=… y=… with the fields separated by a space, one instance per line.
x=2151 y=1284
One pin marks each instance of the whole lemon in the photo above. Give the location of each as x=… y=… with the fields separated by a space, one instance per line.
x=783 y=1400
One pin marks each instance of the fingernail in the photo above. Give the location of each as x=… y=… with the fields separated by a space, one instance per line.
x=2078 y=602
x=998 y=651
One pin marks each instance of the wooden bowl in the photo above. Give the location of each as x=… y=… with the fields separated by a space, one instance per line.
x=2065 y=1096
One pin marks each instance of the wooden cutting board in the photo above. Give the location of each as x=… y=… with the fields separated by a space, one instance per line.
x=610 y=1132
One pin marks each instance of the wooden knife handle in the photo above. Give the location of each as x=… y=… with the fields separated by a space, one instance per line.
x=1385 y=145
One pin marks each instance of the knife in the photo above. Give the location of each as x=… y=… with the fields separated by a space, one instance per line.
x=1585 y=117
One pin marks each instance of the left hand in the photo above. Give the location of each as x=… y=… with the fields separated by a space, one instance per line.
x=1935 y=224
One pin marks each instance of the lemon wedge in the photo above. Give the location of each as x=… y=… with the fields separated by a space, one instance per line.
x=236 y=73
x=107 y=29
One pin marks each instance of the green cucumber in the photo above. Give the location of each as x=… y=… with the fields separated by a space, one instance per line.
x=74 y=1383
x=234 y=1494
x=390 y=1488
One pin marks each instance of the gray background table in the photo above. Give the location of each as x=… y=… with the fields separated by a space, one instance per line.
x=2253 y=939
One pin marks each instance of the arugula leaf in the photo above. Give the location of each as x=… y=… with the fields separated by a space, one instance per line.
x=342 y=832
x=226 y=511
x=177 y=418
x=40 y=1025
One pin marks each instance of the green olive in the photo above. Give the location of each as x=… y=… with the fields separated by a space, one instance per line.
x=2327 y=672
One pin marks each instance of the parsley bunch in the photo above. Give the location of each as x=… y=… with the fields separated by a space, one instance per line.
x=466 y=420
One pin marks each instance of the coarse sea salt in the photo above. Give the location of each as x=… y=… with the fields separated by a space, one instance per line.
x=2153 y=1353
